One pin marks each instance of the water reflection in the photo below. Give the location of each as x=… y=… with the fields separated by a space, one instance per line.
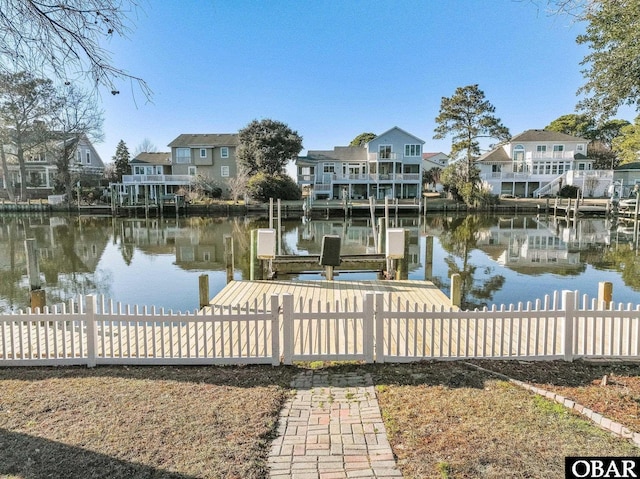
x=157 y=261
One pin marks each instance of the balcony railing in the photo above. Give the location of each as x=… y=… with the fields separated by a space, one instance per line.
x=360 y=177
x=157 y=179
x=551 y=155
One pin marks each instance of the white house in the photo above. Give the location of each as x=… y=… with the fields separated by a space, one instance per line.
x=432 y=161
x=389 y=166
x=537 y=163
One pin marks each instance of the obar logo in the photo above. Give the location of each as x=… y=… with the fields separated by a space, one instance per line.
x=601 y=467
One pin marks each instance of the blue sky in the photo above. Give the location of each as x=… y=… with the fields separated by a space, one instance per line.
x=334 y=69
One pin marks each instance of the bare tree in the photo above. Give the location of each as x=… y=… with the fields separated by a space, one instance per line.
x=238 y=184
x=64 y=39
x=145 y=147
x=26 y=103
x=77 y=115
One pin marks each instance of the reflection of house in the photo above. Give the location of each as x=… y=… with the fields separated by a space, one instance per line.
x=389 y=166
x=41 y=168
x=528 y=246
x=538 y=163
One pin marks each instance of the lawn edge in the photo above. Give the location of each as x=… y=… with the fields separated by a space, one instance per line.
x=603 y=422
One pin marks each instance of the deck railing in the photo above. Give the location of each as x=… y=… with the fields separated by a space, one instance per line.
x=272 y=330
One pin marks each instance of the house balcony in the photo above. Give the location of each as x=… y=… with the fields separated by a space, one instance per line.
x=157 y=179
x=372 y=157
x=552 y=155
x=365 y=178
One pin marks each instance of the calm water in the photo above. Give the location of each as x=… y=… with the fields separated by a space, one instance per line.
x=158 y=261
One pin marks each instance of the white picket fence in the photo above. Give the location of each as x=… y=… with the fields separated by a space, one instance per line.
x=275 y=330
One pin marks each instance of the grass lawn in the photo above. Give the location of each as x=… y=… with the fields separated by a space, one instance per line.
x=444 y=419
x=139 y=422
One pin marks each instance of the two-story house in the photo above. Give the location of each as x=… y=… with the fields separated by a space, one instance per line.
x=389 y=166
x=211 y=154
x=41 y=164
x=208 y=155
x=539 y=162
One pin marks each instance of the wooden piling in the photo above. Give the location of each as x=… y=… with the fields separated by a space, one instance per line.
x=456 y=290
x=37 y=296
x=428 y=258
x=605 y=294
x=203 y=289
x=228 y=257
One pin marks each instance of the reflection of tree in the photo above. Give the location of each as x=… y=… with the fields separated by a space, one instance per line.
x=459 y=239
x=17 y=295
x=624 y=260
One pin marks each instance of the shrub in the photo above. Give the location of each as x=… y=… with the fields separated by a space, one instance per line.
x=568 y=191
x=262 y=186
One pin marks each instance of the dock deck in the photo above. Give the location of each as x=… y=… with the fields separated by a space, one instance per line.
x=323 y=292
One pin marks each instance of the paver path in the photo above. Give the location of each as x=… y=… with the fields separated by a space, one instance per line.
x=331 y=429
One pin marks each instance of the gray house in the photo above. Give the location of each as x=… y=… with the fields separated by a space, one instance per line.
x=389 y=166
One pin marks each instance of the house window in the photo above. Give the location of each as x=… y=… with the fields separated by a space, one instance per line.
x=580 y=148
x=192 y=171
x=495 y=169
x=224 y=152
x=203 y=153
x=224 y=171
x=88 y=157
x=183 y=155
x=78 y=156
x=541 y=148
x=558 y=151
x=518 y=153
x=384 y=152
x=36 y=157
x=329 y=168
x=412 y=150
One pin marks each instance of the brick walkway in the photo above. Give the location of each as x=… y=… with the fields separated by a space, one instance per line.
x=331 y=429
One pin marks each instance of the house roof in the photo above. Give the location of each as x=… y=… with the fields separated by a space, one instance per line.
x=154 y=158
x=628 y=166
x=401 y=130
x=544 y=135
x=426 y=156
x=496 y=155
x=339 y=153
x=211 y=140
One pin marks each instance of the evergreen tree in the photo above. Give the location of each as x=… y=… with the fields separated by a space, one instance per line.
x=121 y=160
x=467 y=116
x=266 y=146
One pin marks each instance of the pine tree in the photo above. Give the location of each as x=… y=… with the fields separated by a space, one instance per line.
x=121 y=159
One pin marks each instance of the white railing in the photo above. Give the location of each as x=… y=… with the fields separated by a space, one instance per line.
x=158 y=179
x=552 y=155
x=92 y=332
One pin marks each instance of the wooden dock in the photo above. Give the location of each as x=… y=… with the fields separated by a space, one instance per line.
x=329 y=292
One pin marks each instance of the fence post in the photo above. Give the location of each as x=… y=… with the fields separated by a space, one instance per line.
x=275 y=330
x=287 y=328
x=379 y=315
x=569 y=306
x=92 y=330
x=367 y=328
